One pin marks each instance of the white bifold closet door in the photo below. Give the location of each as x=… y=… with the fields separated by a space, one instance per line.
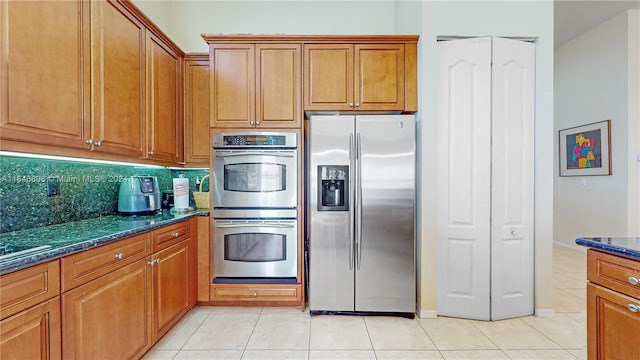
x=484 y=170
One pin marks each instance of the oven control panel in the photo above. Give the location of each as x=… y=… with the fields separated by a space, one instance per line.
x=257 y=139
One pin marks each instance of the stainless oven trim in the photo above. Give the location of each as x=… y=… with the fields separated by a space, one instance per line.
x=227 y=268
x=230 y=199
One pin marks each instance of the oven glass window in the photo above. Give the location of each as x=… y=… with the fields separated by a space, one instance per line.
x=255 y=177
x=255 y=247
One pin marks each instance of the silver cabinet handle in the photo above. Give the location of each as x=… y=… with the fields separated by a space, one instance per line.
x=514 y=233
x=90 y=141
x=350 y=104
x=258 y=122
x=151 y=262
x=255 y=293
x=175 y=234
x=98 y=143
x=357 y=104
x=151 y=152
x=250 y=122
x=633 y=308
x=633 y=280
x=158 y=260
x=119 y=256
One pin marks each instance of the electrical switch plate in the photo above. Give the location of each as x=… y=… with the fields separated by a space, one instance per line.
x=53 y=187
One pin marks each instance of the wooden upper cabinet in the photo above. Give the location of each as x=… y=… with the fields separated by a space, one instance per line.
x=164 y=81
x=255 y=85
x=328 y=77
x=360 y=77
x=118 y=80
x=44 y=72
x=232 y=85
x=196 y=109
x=379 y=77
x=278 y=85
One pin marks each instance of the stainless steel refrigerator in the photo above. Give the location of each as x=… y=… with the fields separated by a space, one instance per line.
x=361 y=213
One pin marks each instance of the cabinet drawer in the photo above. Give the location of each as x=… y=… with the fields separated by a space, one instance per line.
x=88 y=265
x=614 y=272
x=169 y=235
x=25 y=288
x=252 y=293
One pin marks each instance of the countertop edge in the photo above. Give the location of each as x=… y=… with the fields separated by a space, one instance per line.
x=609 y=248
x=57 y=253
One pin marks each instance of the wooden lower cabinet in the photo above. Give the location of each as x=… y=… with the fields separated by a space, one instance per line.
x=171 y=277
x=254 y=294
x=613 y=324
x=613 y=307
x=110 y=317
x=33 y=333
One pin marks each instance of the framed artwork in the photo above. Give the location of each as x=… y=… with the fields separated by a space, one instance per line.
x=586 y=150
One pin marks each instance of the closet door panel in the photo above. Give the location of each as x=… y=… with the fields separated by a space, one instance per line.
x=512 y=179
x=463 y=181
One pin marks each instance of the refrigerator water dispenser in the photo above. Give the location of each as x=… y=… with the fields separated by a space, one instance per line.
x=333 y=187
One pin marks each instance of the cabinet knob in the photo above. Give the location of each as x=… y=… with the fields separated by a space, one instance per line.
x=257 y=122
x=633 y=308
x=119 y=256
x=351 y=104
x=514 y=233
x=250 y=122
x=175 y=234
x=151 y=152
x=633 y=280
x=357 y=104
x=90 y=141
x=152 y=262
x=98 y=143
x=255 y=293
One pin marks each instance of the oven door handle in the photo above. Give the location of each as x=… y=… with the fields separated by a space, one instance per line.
x=255 y=153
x=268 y=225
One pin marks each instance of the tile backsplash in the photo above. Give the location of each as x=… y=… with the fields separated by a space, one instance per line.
x=87 y=190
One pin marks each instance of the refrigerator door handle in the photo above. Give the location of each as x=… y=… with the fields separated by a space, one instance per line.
x=351 y=218
x=358 y=206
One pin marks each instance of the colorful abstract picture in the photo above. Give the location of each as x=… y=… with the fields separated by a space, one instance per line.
x=586 y=150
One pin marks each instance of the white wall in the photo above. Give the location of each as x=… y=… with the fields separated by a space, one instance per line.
x=499 y=18
x=591 y=84
x=159 y=11
x=190 y=19
x=634 y=122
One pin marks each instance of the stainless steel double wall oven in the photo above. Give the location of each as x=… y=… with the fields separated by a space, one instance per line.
x=255 y=197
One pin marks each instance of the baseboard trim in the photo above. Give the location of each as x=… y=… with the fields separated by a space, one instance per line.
x=426 y=314
x=545 y=313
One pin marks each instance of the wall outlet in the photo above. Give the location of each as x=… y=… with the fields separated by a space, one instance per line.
x=53 y=186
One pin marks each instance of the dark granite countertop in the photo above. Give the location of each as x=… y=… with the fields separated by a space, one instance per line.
x=628 y=247
x=73 y=237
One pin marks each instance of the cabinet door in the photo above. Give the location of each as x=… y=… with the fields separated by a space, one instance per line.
x=45 y=72
x=278 y=87
x=196 y=109
x=613 y=323
x=164 y=69
x=118 y=79
x=109 y=318
x=379 y=77
x=328 y=77
x=33 y=333
x=232 y=85
x=170 y=286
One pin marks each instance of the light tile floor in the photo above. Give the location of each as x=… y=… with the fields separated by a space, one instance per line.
x=286 y=333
